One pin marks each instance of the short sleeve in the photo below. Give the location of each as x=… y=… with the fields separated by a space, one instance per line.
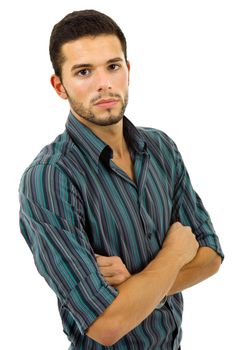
x=52 y=223
x=189 y=209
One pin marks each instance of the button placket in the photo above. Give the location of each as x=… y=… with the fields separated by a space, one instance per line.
x=121 y=173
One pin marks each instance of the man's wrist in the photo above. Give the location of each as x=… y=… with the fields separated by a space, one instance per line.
x=174 y=257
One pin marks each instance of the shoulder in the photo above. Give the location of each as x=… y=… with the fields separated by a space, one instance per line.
x=52 y=153
x=59 y=154
x=50 y=165
x=158 y=141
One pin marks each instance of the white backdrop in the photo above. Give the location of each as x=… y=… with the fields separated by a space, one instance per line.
x=181 y=58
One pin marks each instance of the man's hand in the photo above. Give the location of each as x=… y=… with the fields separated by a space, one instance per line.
x=181 y=240
x=113 y=269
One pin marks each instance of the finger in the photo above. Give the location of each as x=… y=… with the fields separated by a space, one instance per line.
x=107 y=271
x=103 y=260
x=112 y=281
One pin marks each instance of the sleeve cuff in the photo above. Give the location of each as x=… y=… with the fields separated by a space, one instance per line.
x=89 y=299
x=207 y=237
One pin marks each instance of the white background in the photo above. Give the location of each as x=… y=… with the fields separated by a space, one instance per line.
x=181 y=82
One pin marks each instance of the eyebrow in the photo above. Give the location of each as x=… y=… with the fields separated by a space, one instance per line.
x=89 y=65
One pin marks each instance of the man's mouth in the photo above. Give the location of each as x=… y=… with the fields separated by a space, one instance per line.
x=106 y=103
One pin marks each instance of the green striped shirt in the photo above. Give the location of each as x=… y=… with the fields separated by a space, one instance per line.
x=75 y=203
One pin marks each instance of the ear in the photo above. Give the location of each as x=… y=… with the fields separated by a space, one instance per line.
x=58 y=86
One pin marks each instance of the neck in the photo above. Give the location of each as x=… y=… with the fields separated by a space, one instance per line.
x=112 y=135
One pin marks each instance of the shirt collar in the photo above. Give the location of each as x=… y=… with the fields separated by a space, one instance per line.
x=94 y=146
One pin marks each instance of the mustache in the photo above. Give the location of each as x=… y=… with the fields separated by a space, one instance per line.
x=103 y=96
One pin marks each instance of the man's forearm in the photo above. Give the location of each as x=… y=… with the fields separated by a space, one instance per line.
x=205 y=264
x=140 y=294
x=138 y=297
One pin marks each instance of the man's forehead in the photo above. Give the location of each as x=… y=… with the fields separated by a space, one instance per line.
x=91 y=48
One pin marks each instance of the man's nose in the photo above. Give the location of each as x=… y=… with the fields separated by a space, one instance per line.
x=103 y=82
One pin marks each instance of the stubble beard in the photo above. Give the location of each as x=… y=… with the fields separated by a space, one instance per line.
x=91 y=117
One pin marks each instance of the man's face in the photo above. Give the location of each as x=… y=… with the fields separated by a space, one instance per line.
x=95 y=78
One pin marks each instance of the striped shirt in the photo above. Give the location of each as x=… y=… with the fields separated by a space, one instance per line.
x=76 y=202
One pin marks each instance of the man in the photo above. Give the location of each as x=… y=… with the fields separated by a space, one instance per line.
x=108 y=209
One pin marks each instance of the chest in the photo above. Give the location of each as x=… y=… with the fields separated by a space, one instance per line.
x=125 y=219
x=126 y=165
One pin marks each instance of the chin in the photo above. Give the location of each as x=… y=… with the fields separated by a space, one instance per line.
x=104 y=121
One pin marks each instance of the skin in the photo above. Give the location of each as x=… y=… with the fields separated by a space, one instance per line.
x=106 y=78
x=205 y=264
x=95 y=69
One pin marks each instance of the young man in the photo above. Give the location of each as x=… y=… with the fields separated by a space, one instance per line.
x=108 y=209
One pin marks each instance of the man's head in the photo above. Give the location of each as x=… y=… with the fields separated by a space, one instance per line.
x=79 y=24
x=88 y=53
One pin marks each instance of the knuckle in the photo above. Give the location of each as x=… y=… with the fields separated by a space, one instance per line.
x=118 y=259
x=115 y=259
x=177 y=224
x=119 y=270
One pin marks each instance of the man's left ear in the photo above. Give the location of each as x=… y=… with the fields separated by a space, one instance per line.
x=58 y=86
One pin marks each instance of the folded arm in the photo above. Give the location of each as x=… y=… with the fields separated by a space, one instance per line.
x=51 y=222
x=141 y=293
x=204 y=265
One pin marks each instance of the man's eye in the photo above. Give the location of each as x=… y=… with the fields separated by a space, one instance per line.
x=83 y=72
x=114 y=66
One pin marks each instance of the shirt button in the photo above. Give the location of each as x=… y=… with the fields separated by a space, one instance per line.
x=149 y=235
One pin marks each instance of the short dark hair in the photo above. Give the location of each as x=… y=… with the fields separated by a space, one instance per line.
x=78 y=24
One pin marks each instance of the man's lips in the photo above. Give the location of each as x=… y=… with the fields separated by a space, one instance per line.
x=106 y=103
